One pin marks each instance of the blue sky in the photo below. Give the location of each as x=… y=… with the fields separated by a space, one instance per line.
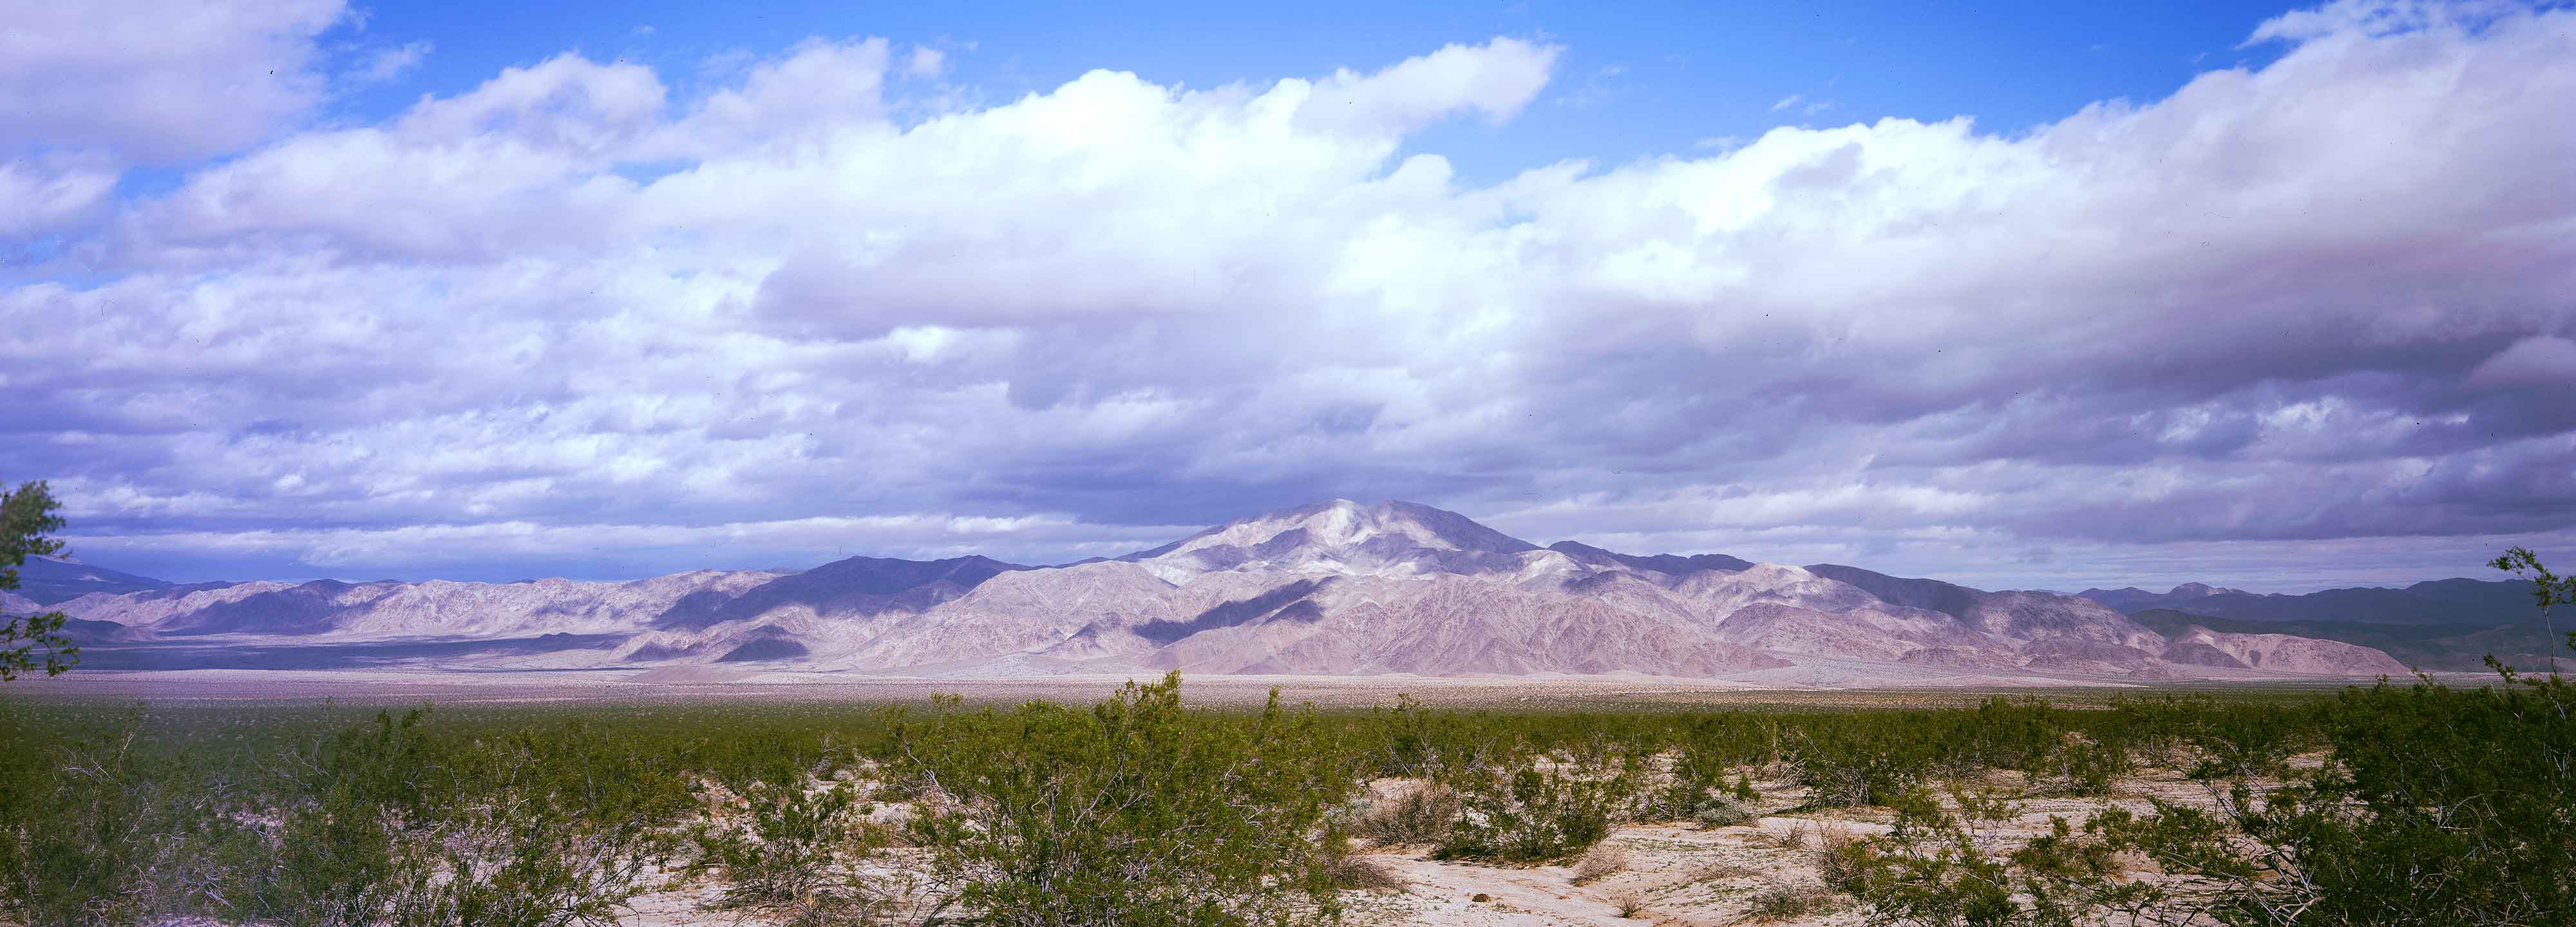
x=2049 y=295
x=1638 y=81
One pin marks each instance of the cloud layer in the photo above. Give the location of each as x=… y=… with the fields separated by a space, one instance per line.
x=569 y=320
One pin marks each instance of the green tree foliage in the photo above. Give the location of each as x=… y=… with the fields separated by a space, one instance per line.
x=29 y=515
x=2548 y=590
x=1134 y=812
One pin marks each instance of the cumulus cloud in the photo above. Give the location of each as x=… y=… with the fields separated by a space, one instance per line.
x=157 y=81
x=36 y=197
x=2309 y=307
x=89 y=90
x=1495 y=80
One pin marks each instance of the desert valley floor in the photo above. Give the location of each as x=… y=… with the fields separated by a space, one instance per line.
x=1594 y=693
x=1763 y=871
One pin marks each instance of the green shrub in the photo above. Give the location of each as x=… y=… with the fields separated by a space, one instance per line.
x=105 y=834
x=1725 y=811
x=2079 y=765
x=1934 y=870
x=791 y=854
x=1134 y=813
x=1535 y=810
x=2435 y=805
x=1853 y=764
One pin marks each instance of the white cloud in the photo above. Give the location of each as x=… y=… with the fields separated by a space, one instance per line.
x=157 y=81
x=35 y=198
x=1495 y=79
x=389 y=63
x=2293 y=303
x=925 y=62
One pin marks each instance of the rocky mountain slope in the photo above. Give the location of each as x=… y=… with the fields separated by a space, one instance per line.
x=48 y=580
x=1332 y=588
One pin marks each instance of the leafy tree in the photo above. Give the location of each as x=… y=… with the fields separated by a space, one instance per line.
x=27 y=519
x=2548 y=590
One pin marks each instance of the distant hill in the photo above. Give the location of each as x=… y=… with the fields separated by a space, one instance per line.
x=2432 y=647
x=2456 y=602
x=50 y=580
x=2132 y=598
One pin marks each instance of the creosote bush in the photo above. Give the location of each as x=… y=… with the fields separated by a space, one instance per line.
x=1531 y=807
x=789 y=849
x=2435 y=805
x=1135 y=812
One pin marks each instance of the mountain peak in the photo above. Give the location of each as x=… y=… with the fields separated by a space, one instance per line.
x=1339 y=535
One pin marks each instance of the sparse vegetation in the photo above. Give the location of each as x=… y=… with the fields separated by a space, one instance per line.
x=787 y=849
x=1724 y=811
x=2398 y=803
x=1602 y=861
x=1422 y=813
x=1535 y=806
x=1628 y=904
x=1781 y=901
x=1134 y=812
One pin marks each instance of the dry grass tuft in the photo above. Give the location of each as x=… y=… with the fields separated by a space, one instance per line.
x=1628 y=903
x=1842 y=859
x=1600 y=861
x=1795 y=838
x=1422 y=814
x=1361 y=872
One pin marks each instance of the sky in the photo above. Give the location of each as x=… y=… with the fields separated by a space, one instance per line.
x=2020 y=295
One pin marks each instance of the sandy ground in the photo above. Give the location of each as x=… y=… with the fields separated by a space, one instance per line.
x=1674 y=875
x=1597 y=693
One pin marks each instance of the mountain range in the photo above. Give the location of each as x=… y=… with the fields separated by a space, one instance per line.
x=1335 y=588
x=2447 y=624
x=2437 y=602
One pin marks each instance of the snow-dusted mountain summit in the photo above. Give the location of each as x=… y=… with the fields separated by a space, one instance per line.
x=1332 y=588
